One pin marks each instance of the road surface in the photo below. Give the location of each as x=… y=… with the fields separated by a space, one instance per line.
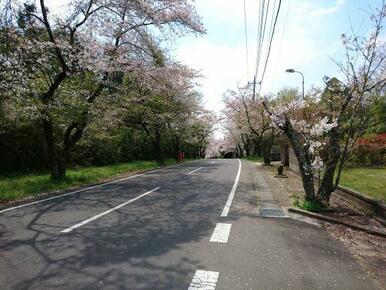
x=192 y=226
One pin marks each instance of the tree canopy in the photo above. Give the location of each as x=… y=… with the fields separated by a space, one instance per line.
x=99 y=70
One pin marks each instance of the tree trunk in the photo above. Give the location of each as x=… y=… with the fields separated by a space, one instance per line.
x=303 y=160
x=241 y=153
x=246 y=146
x=61 y=166
x=201 y=152
x=57 y=157
x=308 y=184
x=266 y=147
x=251 y=142
x=267 y=154
x=176 y=147
x=56 y=172
x=327 y=183
x=157 y=148
x=258 y=147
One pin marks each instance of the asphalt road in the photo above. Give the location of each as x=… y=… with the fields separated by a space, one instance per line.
x=176 y=228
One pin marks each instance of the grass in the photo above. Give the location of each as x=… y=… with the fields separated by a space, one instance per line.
x=371 y=181
x=254 y=158
x=21 y=186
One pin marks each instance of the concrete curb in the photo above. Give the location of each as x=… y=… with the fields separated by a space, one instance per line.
x=375 y=206
x=336 y=221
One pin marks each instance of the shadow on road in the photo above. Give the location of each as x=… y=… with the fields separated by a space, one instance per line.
x=125 y=249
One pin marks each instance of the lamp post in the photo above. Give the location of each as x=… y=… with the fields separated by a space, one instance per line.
x=291 y=70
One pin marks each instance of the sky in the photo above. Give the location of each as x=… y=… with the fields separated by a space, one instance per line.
x=307 y=38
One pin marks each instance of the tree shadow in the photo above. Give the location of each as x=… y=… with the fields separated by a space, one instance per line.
x=149 y=244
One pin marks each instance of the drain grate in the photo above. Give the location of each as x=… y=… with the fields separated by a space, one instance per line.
x=271 y=212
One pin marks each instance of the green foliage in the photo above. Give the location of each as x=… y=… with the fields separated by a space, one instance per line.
x=87 y=98
x=286 y=95
x=308 y=205
x=21 y=149
x=16 y=187
x=377 y=122
x=130 y=120
x=254 y=158
x=369 y=149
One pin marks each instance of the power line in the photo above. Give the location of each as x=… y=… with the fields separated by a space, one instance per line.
x=282 y=36
x=268 y=14
x=270 y=43
x=263 y=24
x=272 y=14
x=272 y=19
x=259 y=33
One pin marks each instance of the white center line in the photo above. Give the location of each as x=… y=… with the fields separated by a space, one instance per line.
x=107 y=212
x=232 y=193
x=204 y=280
x=195 y=170
x=221 y=233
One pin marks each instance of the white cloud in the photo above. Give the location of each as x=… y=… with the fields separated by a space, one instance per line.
x=220 y=66
x=328 y=10
x=221 y=54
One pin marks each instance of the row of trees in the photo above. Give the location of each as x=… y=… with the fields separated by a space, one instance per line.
x=248 y=124
x=322 y=126
x=96 y=84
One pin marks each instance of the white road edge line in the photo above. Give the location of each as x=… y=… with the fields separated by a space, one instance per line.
x=86 y=189
x=221 y=233
x=70 y=229
x=195 y=170
x=232 y=193
x=204 y=280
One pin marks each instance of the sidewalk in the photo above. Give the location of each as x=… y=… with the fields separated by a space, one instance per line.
x=276 y=252
x=369 y=250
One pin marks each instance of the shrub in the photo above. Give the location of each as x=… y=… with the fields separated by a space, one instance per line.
x=370 y=150
x=308 y=205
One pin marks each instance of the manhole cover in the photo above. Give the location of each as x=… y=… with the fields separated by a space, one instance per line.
x=271 y=212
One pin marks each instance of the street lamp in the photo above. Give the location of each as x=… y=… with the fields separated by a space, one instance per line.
x=291 y=70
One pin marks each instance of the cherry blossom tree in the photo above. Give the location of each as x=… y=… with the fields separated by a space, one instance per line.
x=167 y=104
x=58 y=67
x=249 y=116
x=200 y=130
x=321 y=127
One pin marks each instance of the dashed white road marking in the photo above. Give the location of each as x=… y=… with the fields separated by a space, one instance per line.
x=86 y=189
x=232 y=193
x=213 y=162
x=221 y=233
x=107 y=212
x=195 y=170
x=204 y=280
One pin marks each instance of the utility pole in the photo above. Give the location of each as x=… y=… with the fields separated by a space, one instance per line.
x=254 y=88
x=254 y=83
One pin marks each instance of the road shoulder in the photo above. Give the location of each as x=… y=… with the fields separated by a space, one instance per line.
x=368 y=250
x=73 y=190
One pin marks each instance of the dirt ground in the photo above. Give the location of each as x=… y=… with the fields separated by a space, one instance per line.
x=369 y=250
